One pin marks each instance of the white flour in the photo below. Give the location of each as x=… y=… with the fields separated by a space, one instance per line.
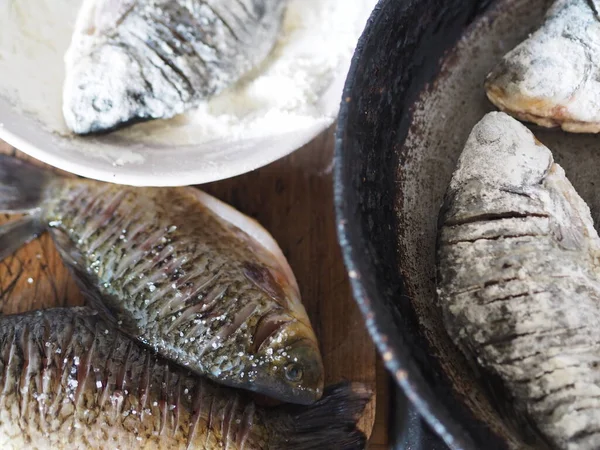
x=284 y=94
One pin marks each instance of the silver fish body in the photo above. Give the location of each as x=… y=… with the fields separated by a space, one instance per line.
x=519 y=280
x=69 y=380
x=551 y=78
x=136 y=60
x=185 y=274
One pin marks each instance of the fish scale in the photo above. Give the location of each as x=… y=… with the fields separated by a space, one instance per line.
x=111 y=354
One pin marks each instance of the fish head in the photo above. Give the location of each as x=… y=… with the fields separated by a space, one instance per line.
x=290 y=367
x=106 y=90
x=538 y=81
x=286 y=352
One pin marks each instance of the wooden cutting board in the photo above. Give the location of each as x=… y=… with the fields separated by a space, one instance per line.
x=293 y=199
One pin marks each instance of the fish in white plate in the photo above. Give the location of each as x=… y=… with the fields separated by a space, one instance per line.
x=553 y=77
x=137 y=60
x=519 y=280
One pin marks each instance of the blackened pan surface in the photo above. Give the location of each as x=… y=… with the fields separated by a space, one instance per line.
x=414 y=92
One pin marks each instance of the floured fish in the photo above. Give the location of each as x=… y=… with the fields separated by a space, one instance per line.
x=185 y=274
x=519 y=280
x=68 y=380
x=136 y=60
x=551 y=79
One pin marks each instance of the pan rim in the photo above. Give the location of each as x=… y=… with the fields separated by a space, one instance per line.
x=396 y=356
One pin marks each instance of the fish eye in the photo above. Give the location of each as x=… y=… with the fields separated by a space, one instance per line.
x=293 y=372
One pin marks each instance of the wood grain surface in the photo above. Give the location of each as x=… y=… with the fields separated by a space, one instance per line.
x=293 y=199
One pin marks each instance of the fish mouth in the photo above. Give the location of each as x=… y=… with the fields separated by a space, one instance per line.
x=299 y=396
x=265 y=386
x=305 y=397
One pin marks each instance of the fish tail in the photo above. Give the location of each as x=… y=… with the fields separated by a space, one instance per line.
x=15 y=234
x=22 y=185
x=21 y=190
x=330 y=423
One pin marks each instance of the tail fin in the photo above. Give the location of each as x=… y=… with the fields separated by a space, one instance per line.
x=21 y=184
x=21 y=190
x=15 y=234
x=330 y=423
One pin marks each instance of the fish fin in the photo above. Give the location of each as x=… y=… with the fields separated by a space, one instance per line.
x=15 y=234
x=329 y=423
x=21 y=184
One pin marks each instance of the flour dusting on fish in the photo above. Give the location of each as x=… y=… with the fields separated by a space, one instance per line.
x=69 y=380
x=519 y=279
x=182 y=272
x=551 y=78
x=136 y=60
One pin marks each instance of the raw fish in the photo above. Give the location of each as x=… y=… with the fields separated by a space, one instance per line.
x=68 y=380
x=183 y=273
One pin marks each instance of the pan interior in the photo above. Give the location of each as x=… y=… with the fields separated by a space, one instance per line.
x=444 y=114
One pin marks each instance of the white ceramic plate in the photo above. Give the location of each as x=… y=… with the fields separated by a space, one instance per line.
x=107 y=159
x=32 y=71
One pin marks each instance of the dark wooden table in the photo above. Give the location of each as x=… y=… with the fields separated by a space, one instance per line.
x=293 y=199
